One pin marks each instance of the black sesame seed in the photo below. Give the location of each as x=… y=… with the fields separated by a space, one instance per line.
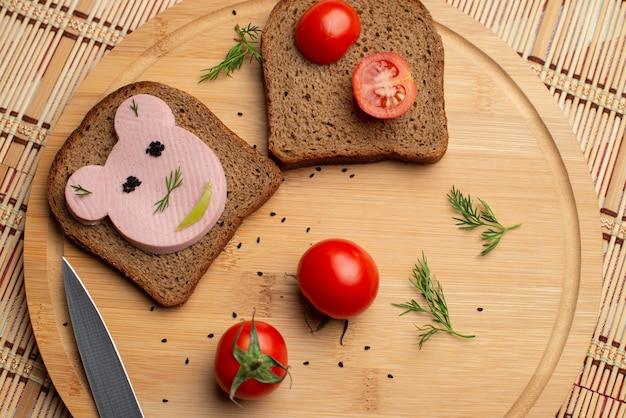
x=258 y=239
x=306 y=363
x=211 y=335
x=311 y=175
x=286 y=93
x=367 y=347
x=308 y=229
x=343 y=170
x=340 y=364
x=187 y=360
x=165 y=401
x=283 y=220
x=234 y=12
x=155 y=149
x=479 y=309
x=239 y=113
x=131 y=183
x=318 y=168
x=164 y=340
x=151 y=308
x=65 y=324
x=259 y=273
x=351 y=175
x=239 y=245
x=234 y=314
x=390 y=376
x=272 y=213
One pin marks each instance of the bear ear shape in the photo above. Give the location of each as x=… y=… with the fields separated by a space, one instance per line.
x=143 y=110
x=86 y=194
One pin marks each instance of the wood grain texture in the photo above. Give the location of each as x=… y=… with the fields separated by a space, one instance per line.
x=509 y=144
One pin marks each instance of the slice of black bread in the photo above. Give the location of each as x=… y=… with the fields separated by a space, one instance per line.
x=169 y=279
x=313 y=117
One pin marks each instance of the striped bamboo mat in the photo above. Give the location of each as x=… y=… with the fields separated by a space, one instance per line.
x=577 y=48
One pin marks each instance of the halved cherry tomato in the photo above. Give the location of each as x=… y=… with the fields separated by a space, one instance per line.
x=383 y=85
x=250 y=360
x=326 y=31
x=338 y=277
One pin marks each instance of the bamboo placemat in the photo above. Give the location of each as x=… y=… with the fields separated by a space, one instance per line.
x=576 y=48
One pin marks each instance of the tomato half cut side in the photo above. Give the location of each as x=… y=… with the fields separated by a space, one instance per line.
x=383 y=85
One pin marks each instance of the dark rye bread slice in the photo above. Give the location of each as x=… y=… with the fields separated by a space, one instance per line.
x=313 y=117
x=169 y=279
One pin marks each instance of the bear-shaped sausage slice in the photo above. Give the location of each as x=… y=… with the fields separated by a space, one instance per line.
x=161 y=186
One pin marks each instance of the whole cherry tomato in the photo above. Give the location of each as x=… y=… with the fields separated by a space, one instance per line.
x=383 y=86
x=338 y=277
x=250 y=360
x=326 y=31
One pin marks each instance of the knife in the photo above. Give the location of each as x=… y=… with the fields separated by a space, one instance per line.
x=109 y=383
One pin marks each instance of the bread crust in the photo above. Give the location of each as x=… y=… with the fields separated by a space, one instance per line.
x=169 y=279
x=313 y=117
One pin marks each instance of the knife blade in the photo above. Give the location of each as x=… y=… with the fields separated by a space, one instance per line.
x=110 y=386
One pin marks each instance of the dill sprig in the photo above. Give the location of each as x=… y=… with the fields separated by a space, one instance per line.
x=80 y=191
x=436 y=305
x=474 y=217
x=135 y=108
x=248 y=38
x=173 y=181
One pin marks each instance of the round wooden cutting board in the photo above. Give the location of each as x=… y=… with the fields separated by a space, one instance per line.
x=532 y=303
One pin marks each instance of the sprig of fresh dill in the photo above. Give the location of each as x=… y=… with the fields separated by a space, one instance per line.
x=173 y=181
x=135 y=108
x=80 y=190
x=248 y=38
x=474 y=217
x=436 y=305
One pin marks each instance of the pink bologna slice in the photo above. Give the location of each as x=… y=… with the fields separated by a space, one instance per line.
x=156 y=174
